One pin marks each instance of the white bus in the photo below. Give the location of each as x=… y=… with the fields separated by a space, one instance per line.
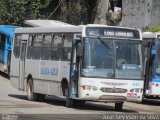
x=45 y=23
x=82 y=63
x=151 y=53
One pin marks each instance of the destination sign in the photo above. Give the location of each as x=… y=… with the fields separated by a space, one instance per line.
x=118 y=33
x=112 y=32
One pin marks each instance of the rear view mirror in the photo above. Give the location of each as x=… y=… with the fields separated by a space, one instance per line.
x=79 y=49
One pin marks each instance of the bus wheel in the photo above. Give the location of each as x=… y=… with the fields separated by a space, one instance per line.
x=30 y=94
x=69 y=101
x=119 y=106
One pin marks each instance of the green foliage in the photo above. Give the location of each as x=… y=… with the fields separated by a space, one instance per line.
x=73 y=9
x=154 y=29
x=16 y=11
x=78 y=11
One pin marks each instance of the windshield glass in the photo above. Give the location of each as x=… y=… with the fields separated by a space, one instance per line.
x=128 y=62
x=98 y=59
x=157 y=59
x=108 y=58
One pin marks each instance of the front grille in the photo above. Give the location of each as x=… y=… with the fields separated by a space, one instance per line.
x=113 y=90
x=112 y=98
x=114 y=84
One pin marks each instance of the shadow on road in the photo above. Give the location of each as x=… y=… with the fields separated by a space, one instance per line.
x=22 y=97
x=52 y=100
x=4 y=75
x=151 y=102
x=94 y=106
x=101 y=107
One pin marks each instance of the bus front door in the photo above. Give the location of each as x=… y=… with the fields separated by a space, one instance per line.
x=22 y=64
x=75 y=63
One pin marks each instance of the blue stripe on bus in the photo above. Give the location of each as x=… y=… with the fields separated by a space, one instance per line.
x=155 y=80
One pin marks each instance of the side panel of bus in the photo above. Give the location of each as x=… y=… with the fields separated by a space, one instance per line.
x=47 y=73
x=14 y=75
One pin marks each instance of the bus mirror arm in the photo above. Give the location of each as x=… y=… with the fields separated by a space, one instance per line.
x=79 y=49
x=73 y=74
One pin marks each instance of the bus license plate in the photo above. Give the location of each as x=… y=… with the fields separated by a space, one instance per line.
x=131 y=95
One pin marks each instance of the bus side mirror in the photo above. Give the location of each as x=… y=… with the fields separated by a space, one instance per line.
x=79 y=49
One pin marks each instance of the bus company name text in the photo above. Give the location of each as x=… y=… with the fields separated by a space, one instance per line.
x=49 y=71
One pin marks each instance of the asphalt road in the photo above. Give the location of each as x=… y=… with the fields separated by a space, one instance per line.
x=14 y=104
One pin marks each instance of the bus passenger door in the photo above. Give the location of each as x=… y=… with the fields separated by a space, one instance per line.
x=74 y=73
x=148 y=67
x=22 y=61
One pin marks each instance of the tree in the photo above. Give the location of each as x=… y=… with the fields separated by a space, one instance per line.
x=153 y=29
x=78 y=11
x=71 y=11
x=16 y=11
x=102 y=9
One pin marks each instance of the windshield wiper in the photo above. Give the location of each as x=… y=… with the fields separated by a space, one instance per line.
x=100 y=39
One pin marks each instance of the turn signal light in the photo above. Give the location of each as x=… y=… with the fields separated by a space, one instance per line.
x=93 y=88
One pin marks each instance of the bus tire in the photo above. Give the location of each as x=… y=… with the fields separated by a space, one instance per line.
x=30 y=94
x=69 y=101
x=118 y=106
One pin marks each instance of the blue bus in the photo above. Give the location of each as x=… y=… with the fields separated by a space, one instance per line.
x=151 y=55
x=6 y=38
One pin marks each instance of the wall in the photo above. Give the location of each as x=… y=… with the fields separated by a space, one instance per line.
x=140 y=13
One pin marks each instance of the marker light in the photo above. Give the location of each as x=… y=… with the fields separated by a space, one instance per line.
x=83 y=87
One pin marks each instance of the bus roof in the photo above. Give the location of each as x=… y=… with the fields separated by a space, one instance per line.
x=150 y=34
x=8 y=29
x=55 y=23
x=64 y=29
x=101 y=25
x=45 y=23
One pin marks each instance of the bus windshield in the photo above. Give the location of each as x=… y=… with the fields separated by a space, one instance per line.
x=111 y=58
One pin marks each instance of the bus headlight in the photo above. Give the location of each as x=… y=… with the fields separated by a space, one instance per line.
x=136 y=90
x=94 y=88
x=89 y=88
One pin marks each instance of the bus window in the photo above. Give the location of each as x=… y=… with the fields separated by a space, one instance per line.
x=36 y=50
x=30 y=46
x=2 y=41
x=56 y=47
x=9 y=41
x=67 y=45
x=17 y=43
x=46 y=47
